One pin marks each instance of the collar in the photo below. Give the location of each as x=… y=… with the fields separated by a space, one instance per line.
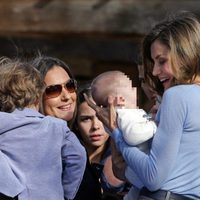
x=28 y=112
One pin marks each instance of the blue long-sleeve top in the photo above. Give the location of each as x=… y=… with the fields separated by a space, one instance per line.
x=173 y=163
x=40 y=158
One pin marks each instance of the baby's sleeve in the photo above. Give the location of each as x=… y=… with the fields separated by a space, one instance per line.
x=135 y=126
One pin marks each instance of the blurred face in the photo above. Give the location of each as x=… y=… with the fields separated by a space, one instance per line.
x=160 y=54
x=119 y=87
x=91 y=129
x=62 y=106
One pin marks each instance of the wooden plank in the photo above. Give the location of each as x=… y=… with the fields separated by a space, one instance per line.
x=87 y=16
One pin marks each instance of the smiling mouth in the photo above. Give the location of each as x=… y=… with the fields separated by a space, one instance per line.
x=66 y=107
x=164 y=80
x=167 y=82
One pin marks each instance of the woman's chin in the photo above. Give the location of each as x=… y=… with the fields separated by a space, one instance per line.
x=167 y=84
x=67 y=117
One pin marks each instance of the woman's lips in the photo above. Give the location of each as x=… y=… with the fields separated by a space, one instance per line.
x=96 y=137
x=65 y=107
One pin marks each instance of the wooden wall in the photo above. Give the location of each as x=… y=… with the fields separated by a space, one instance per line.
x=92 y=36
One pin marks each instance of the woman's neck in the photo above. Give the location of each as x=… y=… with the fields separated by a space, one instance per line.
x=95 y=153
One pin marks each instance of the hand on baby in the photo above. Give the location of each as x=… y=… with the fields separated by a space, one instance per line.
x=106 y=115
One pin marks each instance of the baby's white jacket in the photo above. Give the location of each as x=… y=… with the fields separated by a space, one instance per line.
x=135 y=125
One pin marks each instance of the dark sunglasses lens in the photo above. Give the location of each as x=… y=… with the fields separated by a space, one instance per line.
x=53 y=91
x=71 y=85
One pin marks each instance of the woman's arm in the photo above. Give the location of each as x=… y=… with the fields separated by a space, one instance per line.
x=154 y=168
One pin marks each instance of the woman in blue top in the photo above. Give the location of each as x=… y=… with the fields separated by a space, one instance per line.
x=172 y=169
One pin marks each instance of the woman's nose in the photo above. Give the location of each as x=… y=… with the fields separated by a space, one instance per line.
x=156 y=70
x=96 y=124
x=65 y=94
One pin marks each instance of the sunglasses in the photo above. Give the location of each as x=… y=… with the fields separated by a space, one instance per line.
x=53 y=91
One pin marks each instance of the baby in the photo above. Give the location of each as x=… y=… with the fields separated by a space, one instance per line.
x=135 y=123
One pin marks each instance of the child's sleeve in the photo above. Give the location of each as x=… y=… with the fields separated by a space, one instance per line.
x=74 y=162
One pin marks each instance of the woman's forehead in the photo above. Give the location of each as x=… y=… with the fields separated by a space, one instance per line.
x=56 y=75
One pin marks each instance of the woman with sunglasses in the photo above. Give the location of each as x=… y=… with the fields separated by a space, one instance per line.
x=36 y=163
x=60 y=100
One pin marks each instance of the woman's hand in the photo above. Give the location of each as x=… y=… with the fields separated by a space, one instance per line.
x=106 y=115
x=112 y=113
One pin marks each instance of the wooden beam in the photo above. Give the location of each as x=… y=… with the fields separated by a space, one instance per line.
x=87 y=16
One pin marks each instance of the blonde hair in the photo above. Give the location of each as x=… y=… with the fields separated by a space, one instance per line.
x=181 y=34
x=20 y=85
